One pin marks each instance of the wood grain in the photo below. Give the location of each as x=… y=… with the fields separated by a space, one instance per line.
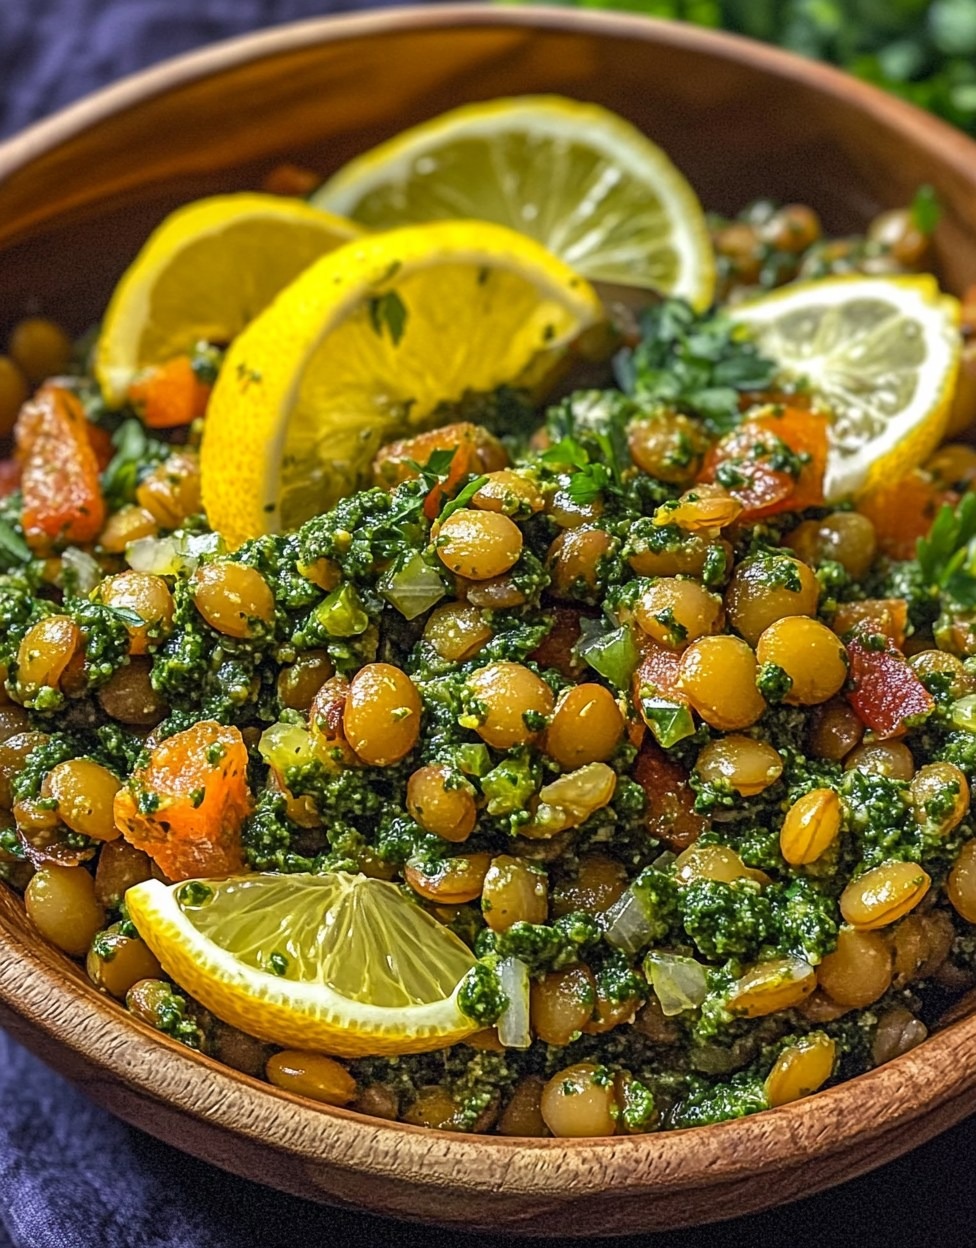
x=77 y=195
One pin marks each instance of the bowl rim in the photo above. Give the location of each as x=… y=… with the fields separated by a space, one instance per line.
x=175 y=72
x=55 y=1010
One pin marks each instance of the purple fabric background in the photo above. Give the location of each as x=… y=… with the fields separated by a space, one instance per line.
x=73 y=1177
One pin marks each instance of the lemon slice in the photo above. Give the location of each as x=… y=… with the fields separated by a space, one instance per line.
x=574 y=176
x=363 y=347
x=203 y=274
x=882 y=353
x=329 y=963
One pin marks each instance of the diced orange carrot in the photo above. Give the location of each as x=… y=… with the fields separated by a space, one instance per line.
x=475 y=451
x=170 y=395
x=60 y=479
x=185 y=807
x=888 y=616
x=763 y=488
x=903 y=511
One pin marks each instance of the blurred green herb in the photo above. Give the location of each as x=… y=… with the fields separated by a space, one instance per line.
x=921 y=50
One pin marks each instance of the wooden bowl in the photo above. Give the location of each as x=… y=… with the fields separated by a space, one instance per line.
x=77 y=196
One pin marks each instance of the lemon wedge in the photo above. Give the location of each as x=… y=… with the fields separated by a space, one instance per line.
x=573 y=176
x=882 y=355
x=203 y=274
x=334 y=963
x=363 y=347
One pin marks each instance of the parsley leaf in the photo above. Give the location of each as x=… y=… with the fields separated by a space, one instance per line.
x=589 y=479
x=696 y=363
x=12 y=543
x=135 y=450
x=950 y=543
x=925 y=210
x=463 y=498
x=390 y=312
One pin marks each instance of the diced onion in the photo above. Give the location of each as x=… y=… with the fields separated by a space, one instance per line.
x=963 y=713
x=83 y=568
x=628 y=927
x=678 y=982
x=168 y=556
x=513 y=1022
x=415 y=588
x=286 y=745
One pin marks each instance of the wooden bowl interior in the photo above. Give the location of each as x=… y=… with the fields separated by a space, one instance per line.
x=741 y=121
x=78 y=195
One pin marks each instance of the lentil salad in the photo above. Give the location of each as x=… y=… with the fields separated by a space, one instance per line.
x=688 y=745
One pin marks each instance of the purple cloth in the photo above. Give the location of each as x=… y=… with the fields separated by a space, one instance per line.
x=71 y=1176
x=53 y=51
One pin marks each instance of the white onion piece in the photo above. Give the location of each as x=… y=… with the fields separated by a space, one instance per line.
x=83 y=568
x=513 y=1022
x=678 y=982
x=627 y=926
x=415 y=588
x=168 y=556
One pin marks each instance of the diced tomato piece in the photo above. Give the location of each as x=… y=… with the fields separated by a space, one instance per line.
x=185 y=807
x=670 y=812
x=886 y=693
x=763 y=488
x=60 y=478
x=556 y=648
x=170 y=395
x=903 y=511
x=475 y=451
x=9 y=476
x=657 y=670
x=888 y=616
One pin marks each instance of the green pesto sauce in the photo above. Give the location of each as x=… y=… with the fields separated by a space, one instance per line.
x=703 y=1064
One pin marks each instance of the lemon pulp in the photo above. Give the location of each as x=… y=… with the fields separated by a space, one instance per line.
x=340 y=963
x=203 y=274
x=574 y=176
x=365 y=346
x=881 y=353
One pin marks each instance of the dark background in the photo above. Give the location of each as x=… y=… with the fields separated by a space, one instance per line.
x=71 y=1176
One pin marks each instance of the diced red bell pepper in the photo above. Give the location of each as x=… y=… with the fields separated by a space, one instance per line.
x=764 y=489
x=170 y=395
x=60 y=477
x=886 y=695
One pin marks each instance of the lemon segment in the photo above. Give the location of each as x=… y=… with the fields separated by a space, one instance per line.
x=363 y=970
x=363 y=347
x=882 y=355
x=207 y=270
x=574 y=176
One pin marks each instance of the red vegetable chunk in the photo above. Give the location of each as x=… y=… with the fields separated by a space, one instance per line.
x=887 y=695
x=753 y=453
x=185 y=807
x=60 y=476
